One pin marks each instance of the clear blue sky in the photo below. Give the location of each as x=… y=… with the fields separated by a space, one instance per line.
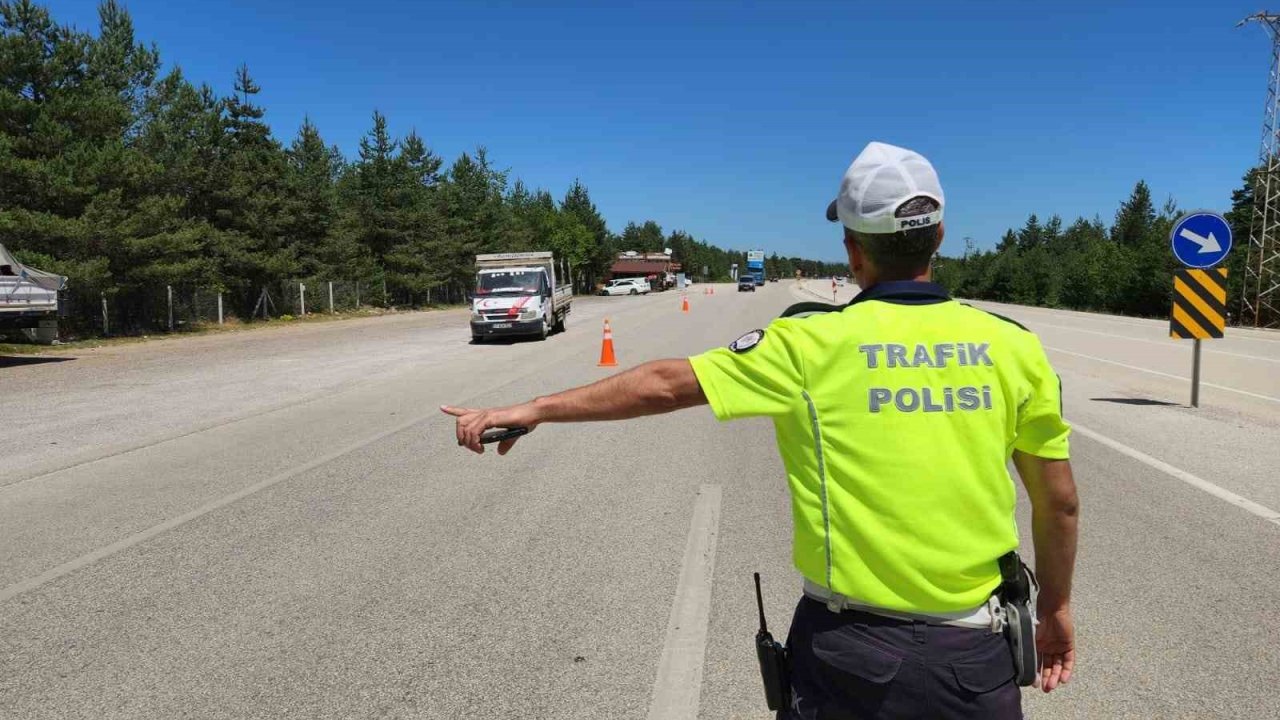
x=735 y=122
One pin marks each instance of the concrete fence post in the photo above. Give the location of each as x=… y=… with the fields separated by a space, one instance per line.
x=302 y=300
x=219 y=307
x=169 y=288
x=106 y=325
x=330 y=297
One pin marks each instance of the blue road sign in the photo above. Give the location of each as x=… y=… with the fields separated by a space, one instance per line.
x=1200 y=239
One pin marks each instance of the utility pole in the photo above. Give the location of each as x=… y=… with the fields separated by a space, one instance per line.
x=1260 y=306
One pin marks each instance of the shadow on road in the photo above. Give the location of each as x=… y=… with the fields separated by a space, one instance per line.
x=20 y=360
x=505 y=340
x=1134 y=401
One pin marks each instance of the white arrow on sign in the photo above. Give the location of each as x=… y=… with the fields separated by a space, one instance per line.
x=1207 y=244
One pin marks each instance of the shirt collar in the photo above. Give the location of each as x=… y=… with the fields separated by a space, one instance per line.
x=904 y=292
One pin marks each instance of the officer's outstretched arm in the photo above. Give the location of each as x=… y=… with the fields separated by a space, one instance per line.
x=655 y=387
x=1055 y=511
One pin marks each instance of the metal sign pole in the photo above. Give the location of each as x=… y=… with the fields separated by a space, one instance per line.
x=1195 y=376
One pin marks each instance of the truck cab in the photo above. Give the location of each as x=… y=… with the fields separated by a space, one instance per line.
x=517 y=294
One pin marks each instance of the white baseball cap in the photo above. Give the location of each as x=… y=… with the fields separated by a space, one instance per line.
x=879 y=181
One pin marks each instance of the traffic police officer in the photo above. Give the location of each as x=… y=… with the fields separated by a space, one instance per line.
x=896 y=416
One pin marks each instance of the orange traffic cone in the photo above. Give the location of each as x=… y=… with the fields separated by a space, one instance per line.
x=607 y=358
x=684 y=303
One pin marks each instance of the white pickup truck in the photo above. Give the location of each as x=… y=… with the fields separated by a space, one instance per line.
x=28 y=298
x=520 y=294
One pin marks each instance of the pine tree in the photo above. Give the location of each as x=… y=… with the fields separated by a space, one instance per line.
x=413 y=264
x=577 y=202
x=1031 y=235
x=1134 y=218
x=249 y=201
x=310 y=205
x=368 y=194
x=472 y=213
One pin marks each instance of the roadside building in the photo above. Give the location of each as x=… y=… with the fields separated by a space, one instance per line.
x=657 y=268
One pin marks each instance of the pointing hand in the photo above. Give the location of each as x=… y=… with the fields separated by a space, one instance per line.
x=471 y=424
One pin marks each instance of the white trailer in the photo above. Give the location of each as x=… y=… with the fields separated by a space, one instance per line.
x=28 y=298
x=525 y=293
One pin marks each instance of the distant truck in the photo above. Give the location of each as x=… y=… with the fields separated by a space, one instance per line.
x=520 y=294
x=28 y=299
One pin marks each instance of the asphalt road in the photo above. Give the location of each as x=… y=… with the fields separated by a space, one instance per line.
x=278 y=524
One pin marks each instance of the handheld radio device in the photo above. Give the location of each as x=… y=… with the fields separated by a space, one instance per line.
x=773 y=661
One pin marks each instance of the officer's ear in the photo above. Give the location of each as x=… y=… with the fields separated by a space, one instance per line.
x=942 y=230
x=857 y=258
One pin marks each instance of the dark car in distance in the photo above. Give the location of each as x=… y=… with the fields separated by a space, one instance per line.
x=746 y=283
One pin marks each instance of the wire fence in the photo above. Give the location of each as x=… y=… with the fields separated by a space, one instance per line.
x=299 y=298
x=178 y=308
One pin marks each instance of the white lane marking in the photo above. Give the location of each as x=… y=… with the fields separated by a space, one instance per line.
x=1161 y=374
x=87 y=559
x=1164 y=343
x=1235 y=332
x=678 y=687
x=1243 y=503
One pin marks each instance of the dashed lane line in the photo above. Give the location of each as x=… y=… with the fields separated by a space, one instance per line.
x=677 y=689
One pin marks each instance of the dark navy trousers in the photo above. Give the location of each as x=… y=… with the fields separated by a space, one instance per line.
x=855 y=665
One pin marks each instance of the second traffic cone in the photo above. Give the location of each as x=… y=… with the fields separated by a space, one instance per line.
x=684 y=303
x=607 y=358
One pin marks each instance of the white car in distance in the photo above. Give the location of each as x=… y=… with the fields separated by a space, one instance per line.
x=626 y=286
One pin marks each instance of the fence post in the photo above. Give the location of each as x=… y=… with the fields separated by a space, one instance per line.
x=302 y=300
x=385 y=303
x=219 y=307
x=357 y=294
x=330 y=297
x=106 y=326
x=169 y=288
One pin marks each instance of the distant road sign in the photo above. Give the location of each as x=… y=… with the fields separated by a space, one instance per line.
x=1199 y=304
x=1200 y=239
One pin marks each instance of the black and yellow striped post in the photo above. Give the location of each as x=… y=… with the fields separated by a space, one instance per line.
x=1199 y=312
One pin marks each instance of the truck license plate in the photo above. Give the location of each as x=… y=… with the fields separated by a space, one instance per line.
x=501 y=326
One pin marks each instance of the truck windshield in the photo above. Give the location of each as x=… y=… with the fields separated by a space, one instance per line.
x=509 y=282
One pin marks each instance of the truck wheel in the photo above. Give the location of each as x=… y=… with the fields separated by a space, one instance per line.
x=561 y=321
x=634 y=291
x=546 y=330
x=477 y=340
